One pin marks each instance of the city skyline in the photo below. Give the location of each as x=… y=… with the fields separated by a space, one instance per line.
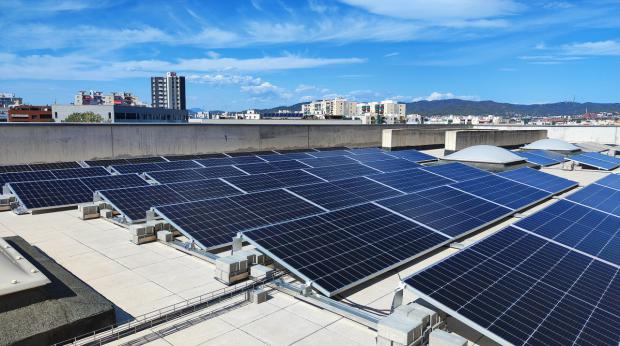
x=259 y=54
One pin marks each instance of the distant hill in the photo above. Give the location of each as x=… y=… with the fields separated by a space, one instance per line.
x=464 y=107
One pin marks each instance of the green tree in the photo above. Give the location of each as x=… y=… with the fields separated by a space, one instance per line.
x=86 y=117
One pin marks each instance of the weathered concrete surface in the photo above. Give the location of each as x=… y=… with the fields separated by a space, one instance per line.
x=33 y=143
x=461 y=139
x=572 y=134
x=398 y=138
x=62 y=309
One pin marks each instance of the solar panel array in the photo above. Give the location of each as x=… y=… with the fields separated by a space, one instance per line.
x=532 y=177
x=541 y=157
x=39 y=167
x=15 y=177
x=597 y=160
x=118 y=162
x=174 y=176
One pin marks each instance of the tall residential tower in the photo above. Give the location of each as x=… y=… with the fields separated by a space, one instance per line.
x=168 y=92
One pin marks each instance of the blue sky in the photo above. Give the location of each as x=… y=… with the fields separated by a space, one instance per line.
x=262 y=53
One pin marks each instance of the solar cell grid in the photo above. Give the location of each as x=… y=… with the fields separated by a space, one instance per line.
x=457 y=171
x=520 y=289
x=14 y=168
x=363 y=151
x=594 y=162
x=51 y=193
x=378 y=156
x=267 y=167
x=106 y=163
x=174 y=176
x=152 y=159
x=289 y=151
x=410 y=180
x=253 y=183
x=294 y=178
x=79 y=172
x=578 y=227
x=327 y=161
x=538 y=179
x=219 y=172
x=113 y=182
x=413 y=155
x=229 y=161
x=193 y=157
x=598 y=197
x=332 y=149
x=53 y=165
x=177 y=165
x=611 y=181
x=606 y=158
x=134 y=202
x=537 y=159
x=339 y=249
x=25 y=176
x=203 y=189
x=137 y=168
x=503 y=191
x=447 y=210
x=331 y=153
x=251 y=153
x=339 y=172
x=392 y=165
x=285 y=157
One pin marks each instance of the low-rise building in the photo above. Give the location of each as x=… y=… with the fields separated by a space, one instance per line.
x=330 y=109
x=123 y=113
x=30 y=114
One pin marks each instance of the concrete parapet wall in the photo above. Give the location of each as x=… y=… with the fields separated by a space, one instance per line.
x=33 y=143
x=398 y=138
x=461 y=139
x=573 y=134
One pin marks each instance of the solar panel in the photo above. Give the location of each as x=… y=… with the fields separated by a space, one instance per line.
x=136 y=168
x=598 y=197
x=328 y=161
x=134 y=202
x=541 y=157
x=392 y=165
x=267 y=167
x=341 y=171
x=517 y=288
x=331 y=153
x=229 y=161
x=152 y=159
x=113 y=182
x=344 y=193
x=106 y=163
x=165 y=166
x=193 y=157
x=544 y=181
x=284 y=157
x=503 y=191
x=219 y=172
x=174 y=176
x=288 y=151
x=606 y=158
x=594 y=162
x=269 y=181
x=612 y=181
x=410 y=180
x=413 y=155
x=378 y=156
x=294 y=178
x=364 y=151
x=203 y=189
x=34 y=195
x=251 y=153
x=14 y=168
x=213 y=223
x=332 y=149
x=25 y=176
x=578 y=227
x=79 y=172
x=53 y=165
x=457 y=171
x=340 y=249
x=446 y=210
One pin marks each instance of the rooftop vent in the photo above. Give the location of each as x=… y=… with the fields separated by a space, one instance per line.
x=487 y=154
x=551 y=144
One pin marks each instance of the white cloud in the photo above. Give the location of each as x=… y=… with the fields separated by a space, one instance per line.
x=391 y=54
x=213 y=55
x=435 y=96
x=608 y=47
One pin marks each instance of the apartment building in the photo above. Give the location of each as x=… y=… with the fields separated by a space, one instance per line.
x=83 y=98
x=330 y=109
x=168 y=91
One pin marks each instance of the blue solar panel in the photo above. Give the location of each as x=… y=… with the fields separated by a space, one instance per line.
x=292 y=151
x=257 y=182
x=447 y=210
x=194 y=157
x=520 y=289
x=134 y=202
x=251 y=153
x=594 y=162
x=25 y=176
x=536 y=159
x=340 y=249
x=599 y=197
x=150 y=159
x=113 y=182
x=413 y=155
x=606 y=158
x=344 y=193
x=174 y=176
x=267 y=167
x=106 y=162
x=284 y=157
x=612 y=181
x=79 y=172
x=14 y=168
x=53 y=165
x=294 y=178
x=164 y=166
x=203 y=189
x=503 y=191
x=457 y=171
x=341 y=171
x=331 y=153
x=213 y=223
x=371 y=157
x=136 y=168
x=578 y=227
x=229 y=161
x=392 y=165
x=364 y=151
x=538 y=179
x=328 y=161
x=219 y=172
x=410 y=180
x=51 y=193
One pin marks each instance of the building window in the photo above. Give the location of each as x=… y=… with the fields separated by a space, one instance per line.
x=56 y=115
x=109 y=115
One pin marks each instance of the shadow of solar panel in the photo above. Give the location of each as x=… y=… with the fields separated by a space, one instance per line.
x=598 y=197
x=51 y=193
x=378 y=156
x=107 y=163
x=203 y=189
x=151 y=159
x=80 y=172
x=137 y=168
x=503 y=191
x=578 y=227
x=25 y=176
x=340 y=249
x=219 y=172
x=536 y=159
x=457 y=171
x=413 y=155
x=538 y=179
x=113 y=182
x=174 y=176
x=410 y=180
x=447 y=210
x=267 y=167
x=213 y=223
x=193 y=157
x=54 y=165
x=328 y=161
x=177 y=165
x=392 y=165
x=520 y=289
x=14 y=168
x=594 y=162
x=340 y=172
x=134 y=202
x=612 y=181
x=286 y=157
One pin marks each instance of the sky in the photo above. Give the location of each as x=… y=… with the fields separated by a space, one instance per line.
x=262 y=53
